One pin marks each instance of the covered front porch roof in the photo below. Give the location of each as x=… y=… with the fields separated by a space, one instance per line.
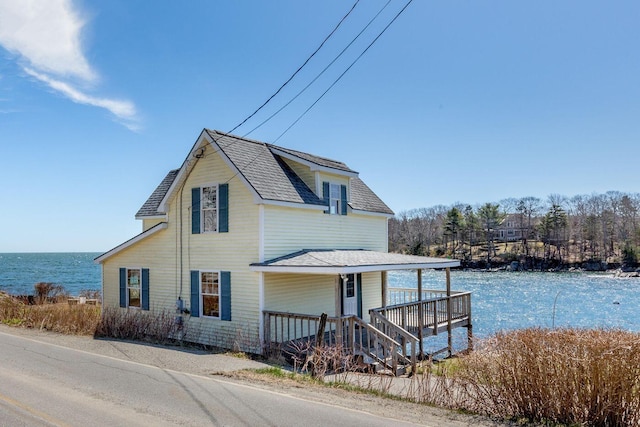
x=348 y=261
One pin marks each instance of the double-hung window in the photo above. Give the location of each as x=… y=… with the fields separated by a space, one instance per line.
x=134 y=281
x=210 y=209
x=210 y=293
x=134 y=288
x=335 y=198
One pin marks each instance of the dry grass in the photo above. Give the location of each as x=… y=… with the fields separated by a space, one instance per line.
x=571 y=377
x=568 y=376
x=56 y=317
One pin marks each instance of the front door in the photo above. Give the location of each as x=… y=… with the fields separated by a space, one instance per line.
x=349 y=295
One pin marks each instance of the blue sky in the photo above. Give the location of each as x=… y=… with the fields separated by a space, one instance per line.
x=458 y=101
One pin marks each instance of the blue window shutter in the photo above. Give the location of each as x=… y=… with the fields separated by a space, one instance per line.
x=325 y=196
x=195 y=293
x=359 y=294
x=145 y=289
x=343 y=199
x=223 y=208
x=123 y=287
x=225 y=295
x=195 y=210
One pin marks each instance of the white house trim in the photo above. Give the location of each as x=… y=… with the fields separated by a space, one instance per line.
x=347 y=261
x=350 y=269
x=382 y=214
x=143 y=217
x=291 y=204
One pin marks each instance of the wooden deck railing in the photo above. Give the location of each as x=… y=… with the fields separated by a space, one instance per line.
x=403 y=295
x=428 y=314
x=392 y=338
x=352 y=333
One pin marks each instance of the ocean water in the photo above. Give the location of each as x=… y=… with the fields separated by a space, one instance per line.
x=502 y=301
x=75 y=271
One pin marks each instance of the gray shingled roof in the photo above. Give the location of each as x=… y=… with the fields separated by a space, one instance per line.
x=345 y=260
x=363 y=199
x=270 y=176
x=321 y=161
x=267 y=173
x=150 y=207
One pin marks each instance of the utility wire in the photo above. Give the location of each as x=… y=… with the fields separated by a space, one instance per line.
x=228 y=134
x=299 y=68
x=345 y=71
x=321 y=73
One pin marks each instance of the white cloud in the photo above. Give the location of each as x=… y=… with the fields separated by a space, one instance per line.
x=124 y=110
x=46 y=35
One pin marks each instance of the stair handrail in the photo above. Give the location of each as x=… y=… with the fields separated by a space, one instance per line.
x=389 y=345
x=407 y=337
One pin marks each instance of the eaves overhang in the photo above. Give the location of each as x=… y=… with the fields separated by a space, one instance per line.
x=339 y=261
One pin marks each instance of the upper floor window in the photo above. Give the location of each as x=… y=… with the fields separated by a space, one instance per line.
x=335 y=197
x=210 y=209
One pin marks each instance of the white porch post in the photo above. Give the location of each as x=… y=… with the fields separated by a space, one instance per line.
x=261 y=325
x=337 y=292
x=385 y=294
x=420 y=313
x=449 y=308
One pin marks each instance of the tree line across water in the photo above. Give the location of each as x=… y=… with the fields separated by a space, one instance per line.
x=594 y=232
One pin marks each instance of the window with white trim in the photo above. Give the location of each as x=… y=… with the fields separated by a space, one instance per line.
x=210 y=293
x=134 y=282
x=209 y=209
x=334 y=199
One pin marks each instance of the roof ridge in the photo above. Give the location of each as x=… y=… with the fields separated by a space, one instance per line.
x=304 y=152
x=230 y=135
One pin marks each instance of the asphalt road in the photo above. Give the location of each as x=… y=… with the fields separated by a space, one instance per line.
x=43 y=384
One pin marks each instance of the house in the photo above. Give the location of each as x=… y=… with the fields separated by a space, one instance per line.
x=510 y=229
x=245 y=234
x=515 y=226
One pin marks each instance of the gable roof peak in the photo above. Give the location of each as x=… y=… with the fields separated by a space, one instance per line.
x=311 y=160
x=263 y=169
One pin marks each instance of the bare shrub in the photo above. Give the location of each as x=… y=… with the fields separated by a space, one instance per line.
x=91 y=294
x=319 y=361
x=47 y=292
x=158 y=327
x=568 y=376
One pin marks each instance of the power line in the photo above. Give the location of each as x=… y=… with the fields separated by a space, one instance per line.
x=299 y=68
x=322 y=72
x=228 y=134
x=345 y=71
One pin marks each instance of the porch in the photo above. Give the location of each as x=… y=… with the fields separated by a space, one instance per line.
x=393 y=338
x=330 y=292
